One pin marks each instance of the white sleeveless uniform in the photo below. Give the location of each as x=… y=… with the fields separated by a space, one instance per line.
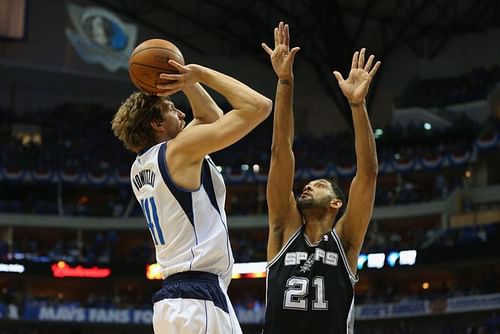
x=189 y=230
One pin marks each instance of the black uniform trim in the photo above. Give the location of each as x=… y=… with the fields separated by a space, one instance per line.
x=284 y=248
x=354 y=278
x=183 y=196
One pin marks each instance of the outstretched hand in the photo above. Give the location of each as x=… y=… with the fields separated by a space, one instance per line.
x=355 y=87
x=281 y=57
x=188 y=75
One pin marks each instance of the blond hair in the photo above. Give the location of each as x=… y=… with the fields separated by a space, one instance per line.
x=131 y=123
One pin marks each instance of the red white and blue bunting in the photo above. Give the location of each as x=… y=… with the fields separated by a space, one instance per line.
x=122 y=177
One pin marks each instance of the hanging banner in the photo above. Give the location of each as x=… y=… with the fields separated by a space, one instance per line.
x=101 y=37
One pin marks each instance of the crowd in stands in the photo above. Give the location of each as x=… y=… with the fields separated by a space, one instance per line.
x=413 y=236
x=435 y=92
x=99 y=247
x=250 y=308
x=248 y=246
x=49 y=140
x=112 y=201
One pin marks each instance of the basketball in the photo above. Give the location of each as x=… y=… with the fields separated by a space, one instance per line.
x=148 y=60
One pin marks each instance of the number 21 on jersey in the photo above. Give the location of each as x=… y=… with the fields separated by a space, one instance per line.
x=296 y=295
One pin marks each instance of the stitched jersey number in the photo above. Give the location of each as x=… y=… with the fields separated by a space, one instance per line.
x=149 y=208
x=298 y=288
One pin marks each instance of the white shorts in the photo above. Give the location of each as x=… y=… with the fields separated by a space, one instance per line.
x=193 y=303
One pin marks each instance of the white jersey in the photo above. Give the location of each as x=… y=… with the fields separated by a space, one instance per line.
x=189 y=228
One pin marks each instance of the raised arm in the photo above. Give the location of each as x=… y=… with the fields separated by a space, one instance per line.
x=353 y=225
x=204 y=108
x=186 y=151
x=284 y=217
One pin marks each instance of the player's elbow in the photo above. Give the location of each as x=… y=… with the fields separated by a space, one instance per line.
x=264 y=107
x=258 y=110
x=372 y=171
x=368 y=172
x=282 y=148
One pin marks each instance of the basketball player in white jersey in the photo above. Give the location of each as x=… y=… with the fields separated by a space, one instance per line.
x=182 y=193
x=313 y=261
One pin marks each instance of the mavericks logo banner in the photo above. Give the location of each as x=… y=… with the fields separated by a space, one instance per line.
x=101 y=37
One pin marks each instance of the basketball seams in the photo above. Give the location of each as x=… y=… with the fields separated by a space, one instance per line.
x=136 y=78
x=149 y=59
x=164 y=70
x=178 y=54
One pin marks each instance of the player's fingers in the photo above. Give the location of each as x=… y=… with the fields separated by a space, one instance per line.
x=267 y=49
x=355 y=60
x=369 y=62
x=286 y=35
x=163 y=93
x=338 y=76
x=178 y=66
x=171 y=76
x=173 y=91
x=375 y=68
x=361 y=58
x=280 y=33
x=293 y=52
x=276 y=37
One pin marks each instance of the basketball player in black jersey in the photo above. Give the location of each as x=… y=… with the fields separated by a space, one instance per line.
x=312 y=262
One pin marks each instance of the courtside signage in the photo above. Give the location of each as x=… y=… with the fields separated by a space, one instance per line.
x=12 y=268
x=61 y=269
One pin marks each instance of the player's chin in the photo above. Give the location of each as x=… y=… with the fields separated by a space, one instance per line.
x=304 y=202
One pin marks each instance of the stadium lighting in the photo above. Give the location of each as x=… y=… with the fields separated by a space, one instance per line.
x=249 y=270
x=427 y=126
x=12 y=268
x=153 y=271
x=256 y=168
x=407 y=257
x=244 y=167
x=392 y=258
x=378 y=133
x=362 y=258
x=259 y=269
x=376 y=260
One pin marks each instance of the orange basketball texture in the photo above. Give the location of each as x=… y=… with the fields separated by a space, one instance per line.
x=148 y=60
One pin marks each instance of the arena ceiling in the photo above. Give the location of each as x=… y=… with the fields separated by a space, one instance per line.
x=326 y=30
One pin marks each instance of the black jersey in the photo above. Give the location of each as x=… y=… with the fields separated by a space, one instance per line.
x=310 y=288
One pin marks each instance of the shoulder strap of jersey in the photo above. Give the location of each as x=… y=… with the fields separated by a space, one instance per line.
x=354 y=278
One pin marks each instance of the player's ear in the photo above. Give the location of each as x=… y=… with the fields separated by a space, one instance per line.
x=336 y=203
x=157 y=124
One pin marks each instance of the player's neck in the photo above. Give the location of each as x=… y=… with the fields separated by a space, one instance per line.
x=316 y=227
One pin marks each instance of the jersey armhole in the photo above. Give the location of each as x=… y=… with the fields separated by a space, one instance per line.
x=284 y=248
x=165 y=174
x=353 y=277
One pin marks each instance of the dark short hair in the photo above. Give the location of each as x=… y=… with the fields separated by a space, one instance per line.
x=339 y=193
